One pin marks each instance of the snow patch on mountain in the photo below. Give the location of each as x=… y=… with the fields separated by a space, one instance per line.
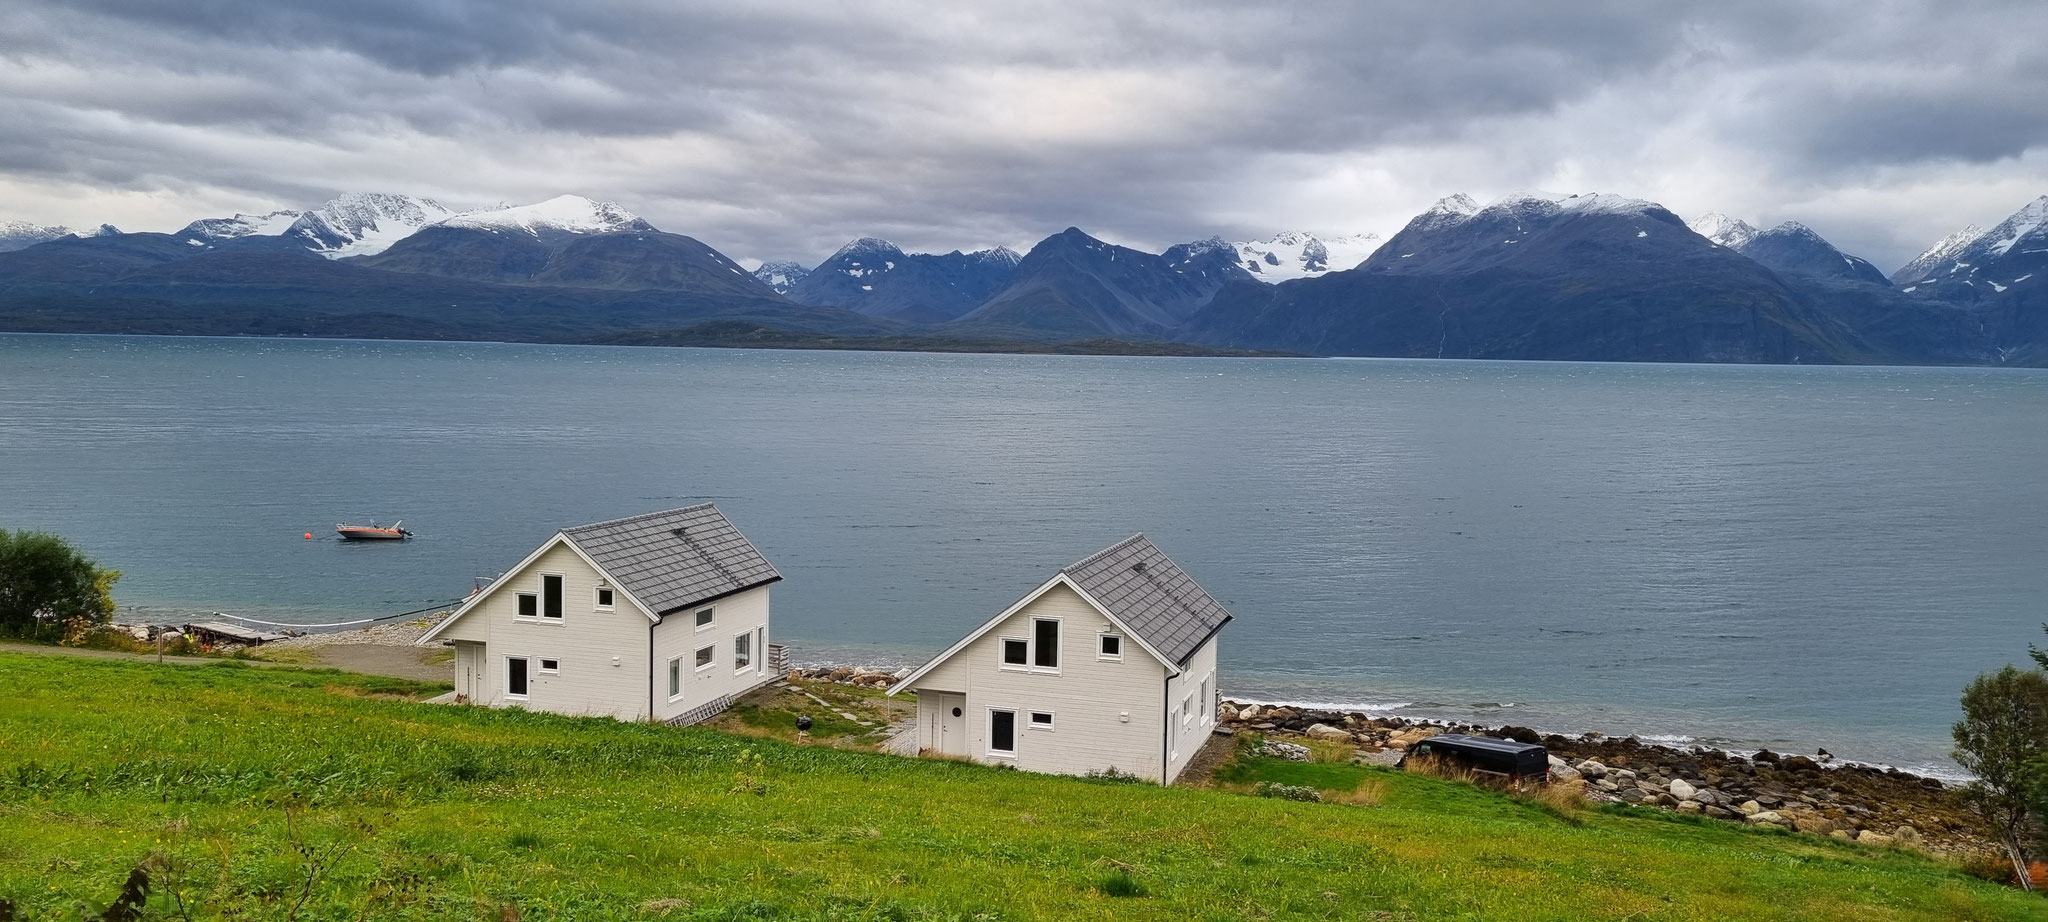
x=781 y=275
x=1299 y=254
x=563 y=214
x=214 y=230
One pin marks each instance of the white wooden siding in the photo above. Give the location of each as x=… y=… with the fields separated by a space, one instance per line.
x=602 y=654
x=1107 y=714
x=1192 y=730
x=678 y=636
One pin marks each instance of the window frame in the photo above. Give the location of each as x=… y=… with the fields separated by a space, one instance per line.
x=561 y=597
x=1104 y=637
x=993 y=752
x=519 y=606
x=545 y=669
x=525 y=675
x=747 y=638
x=705 y=618
x=1031 y=721
x=598 y=594
x=1003 y=654
x=708 y=661
x=1059 y=637
x=1208 y=714
x=675 y=678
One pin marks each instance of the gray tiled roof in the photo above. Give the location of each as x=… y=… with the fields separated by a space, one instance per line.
x=1151 y=595
x=672 y=560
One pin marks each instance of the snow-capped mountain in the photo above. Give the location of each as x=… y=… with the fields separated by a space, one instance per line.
x=875 y=277
x=356 y=224
x=16 y=235
x=1937 y=257
x=215 y=230
x=781 y=275
x=1457 y=234
x=1789 y=248
x=1724 y=230
x=363 y=223
x=2014 y=251
x=561 y=216
x=1299 y=254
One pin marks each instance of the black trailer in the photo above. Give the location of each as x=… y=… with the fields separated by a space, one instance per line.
x=1515 y=761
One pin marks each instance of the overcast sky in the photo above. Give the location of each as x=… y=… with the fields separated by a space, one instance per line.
x=780 y=130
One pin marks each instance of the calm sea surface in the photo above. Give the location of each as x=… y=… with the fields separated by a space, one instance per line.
x=1742 y=555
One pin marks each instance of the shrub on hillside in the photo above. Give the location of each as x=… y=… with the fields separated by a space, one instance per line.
x=49 y=590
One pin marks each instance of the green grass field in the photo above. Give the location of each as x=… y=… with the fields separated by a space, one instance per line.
x=270 y=793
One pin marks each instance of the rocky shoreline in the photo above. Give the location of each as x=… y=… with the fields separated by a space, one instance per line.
x=1876 y=806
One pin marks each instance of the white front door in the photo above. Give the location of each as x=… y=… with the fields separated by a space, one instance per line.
x=952 y=739
x=469 y=672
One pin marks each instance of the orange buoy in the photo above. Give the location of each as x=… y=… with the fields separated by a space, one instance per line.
x=309 y=536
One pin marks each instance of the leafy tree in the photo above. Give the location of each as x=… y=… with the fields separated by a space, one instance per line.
x=48 y=589
x=2002 y=739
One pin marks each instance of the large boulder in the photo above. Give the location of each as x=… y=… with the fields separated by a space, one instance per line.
x=1592 y=769
x=1327 y=732
x=1682 y=790
x=1867 y=837
x=1768 y=818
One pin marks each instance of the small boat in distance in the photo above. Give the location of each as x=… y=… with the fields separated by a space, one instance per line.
x=373 y=532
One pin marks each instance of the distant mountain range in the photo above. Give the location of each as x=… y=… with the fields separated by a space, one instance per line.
x=1533 y=276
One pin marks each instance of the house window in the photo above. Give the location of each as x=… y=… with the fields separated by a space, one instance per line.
x=743 y=651
x=761 y=644
x=1187 y=710
x=704 y=618
x=1046 y=634
x=550 y=667
x=1112 y=647
x=1002 y=733
x=529 y=605
x=706 y=657
x=604 y=599
x=1016 y=652
x=550 y=596
x=1041 y=720
x=515 y=677
x=1210 y=715
x=675 y=678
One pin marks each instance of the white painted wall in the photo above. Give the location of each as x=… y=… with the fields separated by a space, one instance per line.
x=1191 y=717
x=602 y=655
x=1106 y=714
x=678 y=636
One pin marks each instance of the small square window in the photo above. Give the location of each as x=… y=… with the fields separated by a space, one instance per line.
x=529 y=605
x=1014 y=652
x=604 y=598
x=706 y=656
x=1041 y=720
x=1112 y=647
x=550 y=666
x=705 y=618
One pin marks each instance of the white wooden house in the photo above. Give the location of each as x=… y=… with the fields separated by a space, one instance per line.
x=662 y=616
x=1110 y=664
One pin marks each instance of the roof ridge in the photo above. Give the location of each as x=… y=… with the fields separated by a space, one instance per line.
x=1105 y=552
x=643 y=515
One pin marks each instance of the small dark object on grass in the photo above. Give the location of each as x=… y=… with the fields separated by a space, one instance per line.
x=1120 y=883
x=803 y=723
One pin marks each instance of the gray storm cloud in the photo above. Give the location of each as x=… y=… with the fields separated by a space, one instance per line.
x=782 y=129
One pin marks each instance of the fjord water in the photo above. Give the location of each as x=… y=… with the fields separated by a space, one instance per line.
x=1749 y=556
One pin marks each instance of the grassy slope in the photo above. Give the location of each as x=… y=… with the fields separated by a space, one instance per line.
x=102 y=763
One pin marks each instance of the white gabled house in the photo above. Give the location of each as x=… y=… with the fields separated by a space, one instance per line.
x=662 y=616
x=1111 y=664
